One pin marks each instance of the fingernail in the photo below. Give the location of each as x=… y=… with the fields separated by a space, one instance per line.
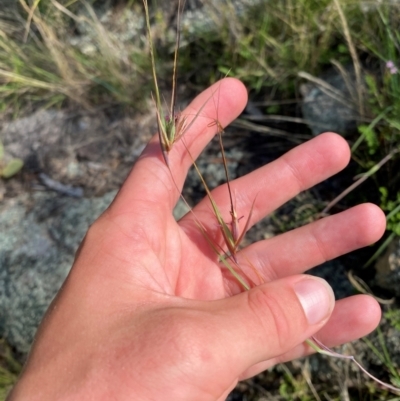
x=316 y=298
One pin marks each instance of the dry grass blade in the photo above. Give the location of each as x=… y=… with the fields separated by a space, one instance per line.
x=294 y=138
x=354 y=56
x=368 y=174
x=319 y=347
x=362 y=287
x=326 y=88
x=29 y=20
x=30 y=81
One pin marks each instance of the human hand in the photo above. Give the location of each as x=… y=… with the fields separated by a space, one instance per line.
x=147 y=313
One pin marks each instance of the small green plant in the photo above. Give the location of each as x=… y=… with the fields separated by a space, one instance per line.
x=393 y=316
x=392 y=222
x=293 y=387
x=383 y=355
x=392 y=206
x=10 y=168
x=9 y=369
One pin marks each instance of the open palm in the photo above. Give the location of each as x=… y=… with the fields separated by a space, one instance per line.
x=142 y=281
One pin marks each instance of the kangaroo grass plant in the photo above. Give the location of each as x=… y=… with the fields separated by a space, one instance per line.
x=171 y=129
x=231 y=235
x=232 y=242
x=266 y=49
x=172 y=126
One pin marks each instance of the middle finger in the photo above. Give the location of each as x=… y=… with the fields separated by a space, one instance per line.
x=272 y=185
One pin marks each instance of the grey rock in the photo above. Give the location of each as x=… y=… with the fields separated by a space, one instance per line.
x=205 y=19
x=75 y=153
x=35 y=133
x=125 y=25
x=214 y=173
x=104 y=29
x=180 y=209
x=329 y=106
x=40 y=234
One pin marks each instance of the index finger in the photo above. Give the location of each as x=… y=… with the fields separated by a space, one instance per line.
x=151 y=179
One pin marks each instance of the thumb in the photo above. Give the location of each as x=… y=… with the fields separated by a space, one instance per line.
x=271 y=319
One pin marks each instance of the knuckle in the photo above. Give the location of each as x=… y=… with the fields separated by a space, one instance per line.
x=319 y=243
x=295 y=172
x=270 y=310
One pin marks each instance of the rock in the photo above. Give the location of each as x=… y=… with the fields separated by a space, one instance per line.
x=90 y=150
x=212 y=170
x=126 y=25
x=40 y=234
x=180 y=209
x=205 y=19
x=330 y=108
x=37 y=132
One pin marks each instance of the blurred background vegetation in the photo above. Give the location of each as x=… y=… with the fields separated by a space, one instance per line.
x=76 y=54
